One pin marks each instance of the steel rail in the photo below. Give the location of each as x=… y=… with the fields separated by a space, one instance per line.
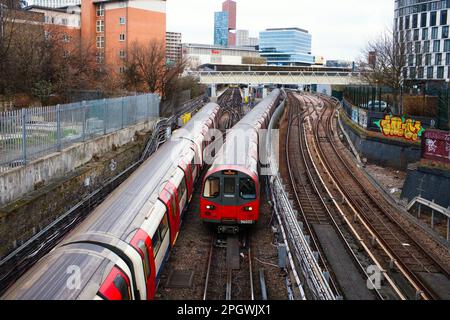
x=417 y=284
x=306 y=154
x=300 y=118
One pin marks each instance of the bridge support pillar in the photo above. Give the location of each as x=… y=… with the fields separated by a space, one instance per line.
x=213 y=91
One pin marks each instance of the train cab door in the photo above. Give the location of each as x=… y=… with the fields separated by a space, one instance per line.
x=189 y=179
x=143 y=244
x=171 y=201
x=229 y=186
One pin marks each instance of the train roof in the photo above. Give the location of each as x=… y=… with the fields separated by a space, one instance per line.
x=241 y=147
x=48 y=279
x=119 y=213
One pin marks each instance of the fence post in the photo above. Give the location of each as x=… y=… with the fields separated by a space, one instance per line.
x=24 y=136
x=83 y=107
x=122 y=110
x=104 y=116
x=58 y=127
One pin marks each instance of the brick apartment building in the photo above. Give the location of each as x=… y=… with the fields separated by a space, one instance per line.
x=63 y=23
x=109 y=27
x=112 y=26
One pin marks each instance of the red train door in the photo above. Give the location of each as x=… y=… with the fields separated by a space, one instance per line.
x=143 y=244
x=171 y=201
x=230 y=196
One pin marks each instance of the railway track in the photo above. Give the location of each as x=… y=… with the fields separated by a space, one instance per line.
x=229 y=273
x=310 y=200
x=393 y=244
x=231 y=108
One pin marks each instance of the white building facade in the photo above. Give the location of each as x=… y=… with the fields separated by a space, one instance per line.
x=422 y=30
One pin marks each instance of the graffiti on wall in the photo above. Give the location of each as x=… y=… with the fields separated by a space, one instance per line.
x=436 y=145
x=394 y=126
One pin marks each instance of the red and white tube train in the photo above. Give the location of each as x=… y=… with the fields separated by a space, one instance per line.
x=118 y=251
x=231 y=190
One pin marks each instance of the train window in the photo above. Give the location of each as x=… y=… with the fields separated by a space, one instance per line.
x=116 y=285
x=156 y=242
x=212 y=187
x=182 y=188
x=247 y=188
x=121 y=284
x=163 y=226
x=143 y=247
x=229 y=187
x=173 y=206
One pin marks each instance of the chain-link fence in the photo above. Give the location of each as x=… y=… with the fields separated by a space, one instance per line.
x=28 y=134
x=418 y=101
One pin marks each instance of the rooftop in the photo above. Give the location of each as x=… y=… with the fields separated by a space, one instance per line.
x=285 y=29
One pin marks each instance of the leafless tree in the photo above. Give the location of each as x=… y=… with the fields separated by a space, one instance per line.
x=388 y=60
x=146 y=69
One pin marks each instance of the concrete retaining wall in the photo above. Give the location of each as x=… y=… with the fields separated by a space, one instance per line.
x=22 y=180
x=26 y=216
x=434 y=183
x=383 y=152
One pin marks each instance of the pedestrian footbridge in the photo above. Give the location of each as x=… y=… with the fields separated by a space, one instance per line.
x=279 y=77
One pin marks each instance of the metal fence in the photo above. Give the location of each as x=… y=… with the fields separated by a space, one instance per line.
x=28 y=134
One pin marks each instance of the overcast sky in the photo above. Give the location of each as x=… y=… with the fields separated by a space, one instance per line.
x=339 y=28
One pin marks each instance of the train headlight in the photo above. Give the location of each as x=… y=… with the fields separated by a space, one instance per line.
x=248 y=208
x=210 y=207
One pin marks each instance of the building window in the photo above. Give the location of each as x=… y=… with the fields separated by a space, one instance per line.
x=122 y=20
x=438 y=59
x=64 y=21
x=434 y=33
x=447 y=59
x=447 y=45
x=400 y=23
x=406 y=22
x=445 y=32
x=410 y=60
x=417 y=47
x=100 y=25
x=428 y=59
x=409 y=47
x=437 y=45
x=122 y=37
x=425 y=34
x=100 y=42
x=100 y=57
x=100 y=10
x=122 y=54
x=426 y=46
x=121 y=69
x=443 y=17
x=432 y=18
x=416 y=34
x=430 y=72
x=440 y=72
x=412 y=73
x=65 y=38
x=414 y=21
x=418 y=60
x=423 y=19
x=420 y=72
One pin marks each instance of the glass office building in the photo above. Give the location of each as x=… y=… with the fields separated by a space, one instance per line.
x=286 y=46
x=221 y=29
x=422 y=30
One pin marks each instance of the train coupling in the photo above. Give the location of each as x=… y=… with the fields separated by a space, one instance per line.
x=228 y=229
